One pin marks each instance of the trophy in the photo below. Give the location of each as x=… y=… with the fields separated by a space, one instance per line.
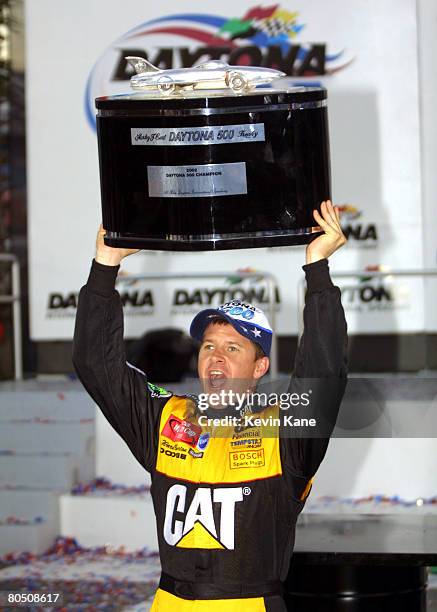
x=212 y=157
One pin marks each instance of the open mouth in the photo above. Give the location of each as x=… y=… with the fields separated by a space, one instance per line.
x=216 y=379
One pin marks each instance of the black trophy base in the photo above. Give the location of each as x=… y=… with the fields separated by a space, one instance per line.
x=350 y=588
x=171 y=181
x=212 y=243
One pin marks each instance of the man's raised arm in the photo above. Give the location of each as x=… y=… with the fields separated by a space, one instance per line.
x=100 y=361
x=321 y=358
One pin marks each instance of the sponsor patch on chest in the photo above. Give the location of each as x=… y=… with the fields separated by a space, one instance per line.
x=247 y=458
x=181 y=431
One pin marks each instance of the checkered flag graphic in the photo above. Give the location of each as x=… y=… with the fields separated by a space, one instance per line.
x=273 y=27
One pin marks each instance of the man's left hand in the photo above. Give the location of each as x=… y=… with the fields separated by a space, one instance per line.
x=323 y=246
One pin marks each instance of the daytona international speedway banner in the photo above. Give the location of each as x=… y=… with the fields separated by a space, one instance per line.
x=363 y=52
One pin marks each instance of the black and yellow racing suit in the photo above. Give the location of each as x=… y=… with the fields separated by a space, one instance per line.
x=226 y=507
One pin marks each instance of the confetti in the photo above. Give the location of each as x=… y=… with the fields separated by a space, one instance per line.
x=103 y=486
x=100 y=578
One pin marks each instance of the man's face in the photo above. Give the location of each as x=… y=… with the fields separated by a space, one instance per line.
x=227 y=360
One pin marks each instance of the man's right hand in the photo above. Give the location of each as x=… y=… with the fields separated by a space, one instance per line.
x=110 y=256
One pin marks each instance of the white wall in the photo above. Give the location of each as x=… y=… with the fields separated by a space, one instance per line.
x=360 y=467
x=427 y=48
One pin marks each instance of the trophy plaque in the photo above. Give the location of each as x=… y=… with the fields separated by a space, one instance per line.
x=201 y=159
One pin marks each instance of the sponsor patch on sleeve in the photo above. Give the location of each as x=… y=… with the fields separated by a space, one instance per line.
x=156 y=391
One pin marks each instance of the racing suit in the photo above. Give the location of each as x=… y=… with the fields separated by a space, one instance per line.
x=226 y=507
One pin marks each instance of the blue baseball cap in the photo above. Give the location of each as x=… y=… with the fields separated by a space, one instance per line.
x=247 y=320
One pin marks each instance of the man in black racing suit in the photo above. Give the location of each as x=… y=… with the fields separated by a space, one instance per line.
x=226 y=506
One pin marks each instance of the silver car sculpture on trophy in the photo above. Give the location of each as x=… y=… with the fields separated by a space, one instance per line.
x=214 y=74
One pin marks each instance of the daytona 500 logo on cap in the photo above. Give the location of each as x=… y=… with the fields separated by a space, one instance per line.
x=247 y=320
